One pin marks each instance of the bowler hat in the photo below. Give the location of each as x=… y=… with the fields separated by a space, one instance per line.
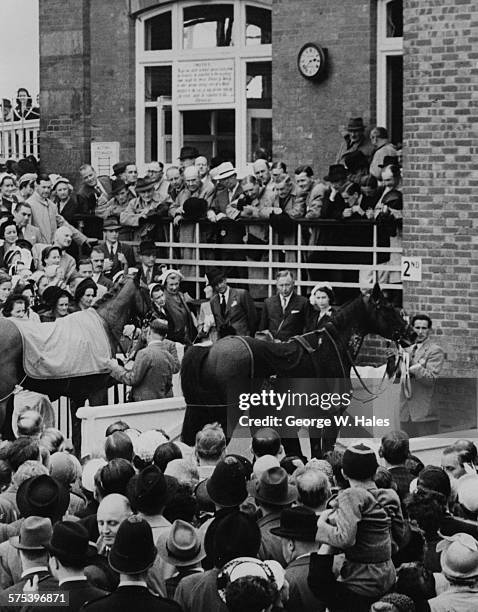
x=188 y=153
x=181 y=545
x=227 y=484
x=389 y=160
x=35 y=533
x=111 y=223
x=117 y=186
x=119 y=168
x=337 y=172
x=355 y=124
x=147 y=247
x=273 y=488
x=69 y=543
x=144 y=184
x=133 y=550
x=355 y=160
x=42 y=496
x=282 y=223
x=297 y=523
x=459 y=556
x=195 y=208
x=215 y=275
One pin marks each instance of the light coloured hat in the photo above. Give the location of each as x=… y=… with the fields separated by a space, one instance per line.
x=168 y=272
x=459 y=556
x=224 y=171
x=147 y=442
x=56 y=179
x=266 y=462
x=27 y=178
x=467 y=491
x=153 y=166
x=270 y=570
x=89 y=471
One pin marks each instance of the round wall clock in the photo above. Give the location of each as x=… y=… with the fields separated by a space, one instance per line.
x=311 y=61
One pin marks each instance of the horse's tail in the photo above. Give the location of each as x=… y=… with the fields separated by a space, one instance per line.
x=192 y=377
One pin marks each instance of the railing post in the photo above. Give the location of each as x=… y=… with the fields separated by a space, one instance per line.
x=197 y=250
x=374 y=260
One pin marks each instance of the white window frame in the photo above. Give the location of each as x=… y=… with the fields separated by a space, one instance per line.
x=386 y=47
x=239 y=52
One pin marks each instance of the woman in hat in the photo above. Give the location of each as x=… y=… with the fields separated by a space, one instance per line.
x=183 y=323
x=85 y=293
x=58 y=301
x=8 y=200
x=28 y=290
x=11 y=245
x=321 y=299
x=63 y=196
x=50 y=259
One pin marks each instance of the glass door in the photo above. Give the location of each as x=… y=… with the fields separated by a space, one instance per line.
x=212 y=132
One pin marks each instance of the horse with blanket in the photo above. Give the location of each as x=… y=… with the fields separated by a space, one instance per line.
x=67 y=357
x=213 y=377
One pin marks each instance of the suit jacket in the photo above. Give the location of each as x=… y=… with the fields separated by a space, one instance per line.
x=46 y=582
x=70 y=209
x=199 y=592
x=240 y=312
x=156 y=273
x=152 y=374
x=30 y=233
x=79 y=592
x=284 y=325
x=271 y=545
x=87 y=197
x=430 y=358
x=117 y=265
x=105 y=281
x=127 y=598
x=301 y=598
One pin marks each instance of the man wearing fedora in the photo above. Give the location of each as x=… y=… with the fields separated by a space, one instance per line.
x=181 y=546
x=31 y=545
x=118 y=256
x=297 y=531
x=132 y=554
x=272 y=493
x=150 y=270
x=117 y=203
x=355 y=140
x=187 y=157
x=233 y=309
x=144 y=211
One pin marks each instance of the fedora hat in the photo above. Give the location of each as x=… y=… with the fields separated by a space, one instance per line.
x=111 y=223
x=224 y=171
x=35 y=533
x=273 y=488
x=215 y=275
x=117 y=186
x=297 y=523
x=70 y=543
x=181 y=545
x=355 y=160
x=133 y=550
x=389 y=160
x=188 y=153
x=355 y=124
x=42 y=496
x=337 y=172
x=147 y=247
x=195 y=208
x=459 y=556
x=227 y=484
x=144 y=183
x=119 y=168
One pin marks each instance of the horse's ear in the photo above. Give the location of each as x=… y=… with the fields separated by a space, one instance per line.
x=377 y=295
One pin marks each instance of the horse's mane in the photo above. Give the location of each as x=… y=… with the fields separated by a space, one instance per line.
x=109 y=295
x=343 y=315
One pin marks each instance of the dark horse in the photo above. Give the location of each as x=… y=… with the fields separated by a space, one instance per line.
x=209 y=374
x=124 y=303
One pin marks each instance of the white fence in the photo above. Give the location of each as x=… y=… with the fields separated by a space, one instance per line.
x=19 y=138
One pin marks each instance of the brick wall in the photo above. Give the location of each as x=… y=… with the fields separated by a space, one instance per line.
x=440 y=176
x=307 y=116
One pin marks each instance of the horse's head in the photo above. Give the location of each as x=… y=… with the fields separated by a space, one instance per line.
x=387 y=320
x=142 y=301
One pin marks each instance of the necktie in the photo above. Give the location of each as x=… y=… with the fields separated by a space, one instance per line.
x=223 y=304
x=284 y=305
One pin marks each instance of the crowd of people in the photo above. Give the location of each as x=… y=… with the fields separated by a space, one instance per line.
x=147 y=522
x=74 y=242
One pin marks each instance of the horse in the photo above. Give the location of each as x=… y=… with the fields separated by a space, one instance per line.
x=126 y=302
x=209 y=374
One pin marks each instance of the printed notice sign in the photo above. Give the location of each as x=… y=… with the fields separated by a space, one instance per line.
x=103 y=156
x=207 y=82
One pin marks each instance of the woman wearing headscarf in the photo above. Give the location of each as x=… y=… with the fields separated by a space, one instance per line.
x=85 y=294
x=182 y=321
x=321 y=299
x=63 y=196
x=57 y=301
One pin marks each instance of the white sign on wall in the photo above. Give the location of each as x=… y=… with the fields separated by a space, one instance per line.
x=206 y=82
x=411 y=269
x=103 y=156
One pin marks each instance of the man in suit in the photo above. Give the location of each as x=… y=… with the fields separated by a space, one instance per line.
x=35 y=533
x=284 y=314
x=233 y=309
x=132 y=554
x=150 y=270
x=97 y=258
x=69 y=553
x=417 y=414
x=153 y=368
x=118 y=256
x=22 y=215
x=93 y=189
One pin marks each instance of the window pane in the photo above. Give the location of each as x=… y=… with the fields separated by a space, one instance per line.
x=395 y=19
x=208 y=26
x=395 y=98
x=211 y=132
x=158 y=81
x=258 y=26
x=260 y=135
x=157 y=33
x=150 y=135
x=259 y=85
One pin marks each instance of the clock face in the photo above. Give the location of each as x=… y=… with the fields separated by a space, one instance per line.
x=310 y=61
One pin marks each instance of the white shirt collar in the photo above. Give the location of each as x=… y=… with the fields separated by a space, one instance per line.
x=34 y=570
x=136 y=583
x=75 y=579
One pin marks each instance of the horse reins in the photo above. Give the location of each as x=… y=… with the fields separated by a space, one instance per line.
x=16 y=389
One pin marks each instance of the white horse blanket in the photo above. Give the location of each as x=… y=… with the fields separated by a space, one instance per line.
x=75 y=345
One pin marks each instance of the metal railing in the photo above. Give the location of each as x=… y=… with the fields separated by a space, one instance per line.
x=19 y=138
x=297 y=255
